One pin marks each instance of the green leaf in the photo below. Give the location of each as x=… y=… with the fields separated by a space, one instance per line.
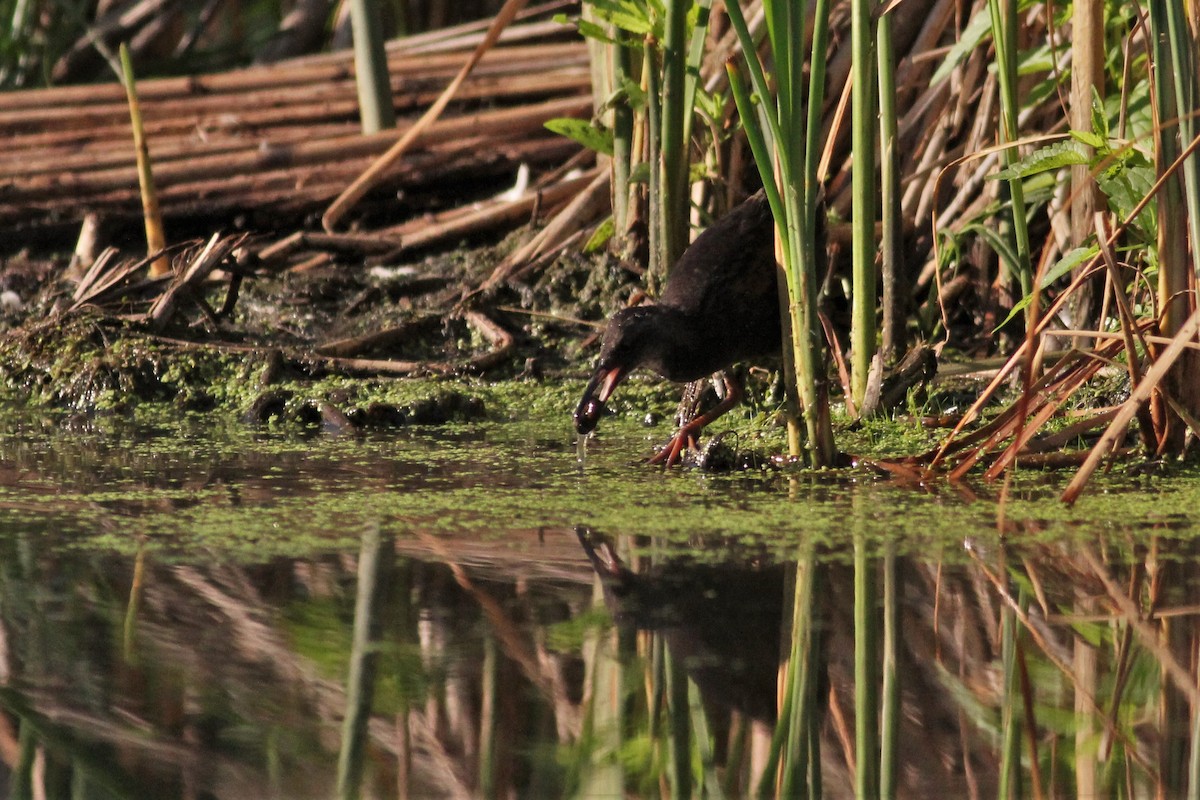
x=979 y=28
x=1099 y=117
x=627 y=16
x=635 y=93
x=1035 y=61
x=1063 y=267
x=697 y=171
x=584 y=132
x=1092 y=140
x=599 y=238
x=1018 y=307
x=640 y=173
x=1003 y=248
x=1067 y=263
x=1053 y=156
x=586 y=27
x=1125 y=182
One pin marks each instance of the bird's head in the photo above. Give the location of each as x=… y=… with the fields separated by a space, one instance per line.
x=628 y=342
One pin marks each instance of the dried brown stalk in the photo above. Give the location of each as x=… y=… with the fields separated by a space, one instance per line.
x=1140 y=395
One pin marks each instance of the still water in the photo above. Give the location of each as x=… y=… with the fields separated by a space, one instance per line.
x=470 y=612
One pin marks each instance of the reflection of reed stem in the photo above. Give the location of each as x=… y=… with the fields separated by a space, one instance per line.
x=866 y=656
x=889 y=723
x=135 y=601
x=793 y=767
x=360 y=682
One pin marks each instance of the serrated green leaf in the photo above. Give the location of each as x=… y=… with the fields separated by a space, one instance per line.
x=1125 y=187
x=1053 y=156
x=584 y=132
x=1092 y=140
x=627 y=16
x=593 y=31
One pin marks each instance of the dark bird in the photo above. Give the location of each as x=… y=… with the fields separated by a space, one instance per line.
x=720 y=306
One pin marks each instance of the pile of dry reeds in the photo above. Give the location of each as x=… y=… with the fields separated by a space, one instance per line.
x=273 y=145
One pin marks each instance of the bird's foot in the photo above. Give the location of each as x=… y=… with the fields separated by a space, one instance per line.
x=672 y=452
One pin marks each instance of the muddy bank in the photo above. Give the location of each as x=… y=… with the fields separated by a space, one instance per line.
x=341 y=345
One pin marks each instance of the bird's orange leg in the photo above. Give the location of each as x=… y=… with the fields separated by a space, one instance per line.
x=687 y=434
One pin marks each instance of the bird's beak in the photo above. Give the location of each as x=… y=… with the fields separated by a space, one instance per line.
x=599 y=389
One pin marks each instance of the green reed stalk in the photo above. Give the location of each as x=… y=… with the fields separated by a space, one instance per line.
x=815 y=110
x=623 y=137
x=894 y=290
x=1187 y=104
x=136 y=587
x=610 y=61
x=765 y=786
x=1173 y=272
x=1084 y=663
x=695 y=59
x=610 y=682
x=656 y=272
x=1012 y=705
x=370 y=67
x=674 y=217
x=1175 y=65
x=156 y=237
x=778 y=136
x=1004 y=35
x=862 y=187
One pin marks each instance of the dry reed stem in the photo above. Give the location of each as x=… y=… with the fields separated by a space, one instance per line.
x=1140 y=395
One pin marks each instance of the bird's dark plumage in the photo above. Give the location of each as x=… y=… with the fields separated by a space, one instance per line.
x=720 y=306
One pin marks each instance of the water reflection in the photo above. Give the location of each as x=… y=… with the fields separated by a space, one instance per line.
x=143 y=655
x=720 y=621
x=234 y=679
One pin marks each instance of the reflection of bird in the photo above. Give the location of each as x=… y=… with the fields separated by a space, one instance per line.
x=721 y=621
x=720 y=306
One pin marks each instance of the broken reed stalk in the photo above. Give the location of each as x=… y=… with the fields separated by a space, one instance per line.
x=156 y=239
x=246 y=159
x=75 y=113
x=510 y=211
